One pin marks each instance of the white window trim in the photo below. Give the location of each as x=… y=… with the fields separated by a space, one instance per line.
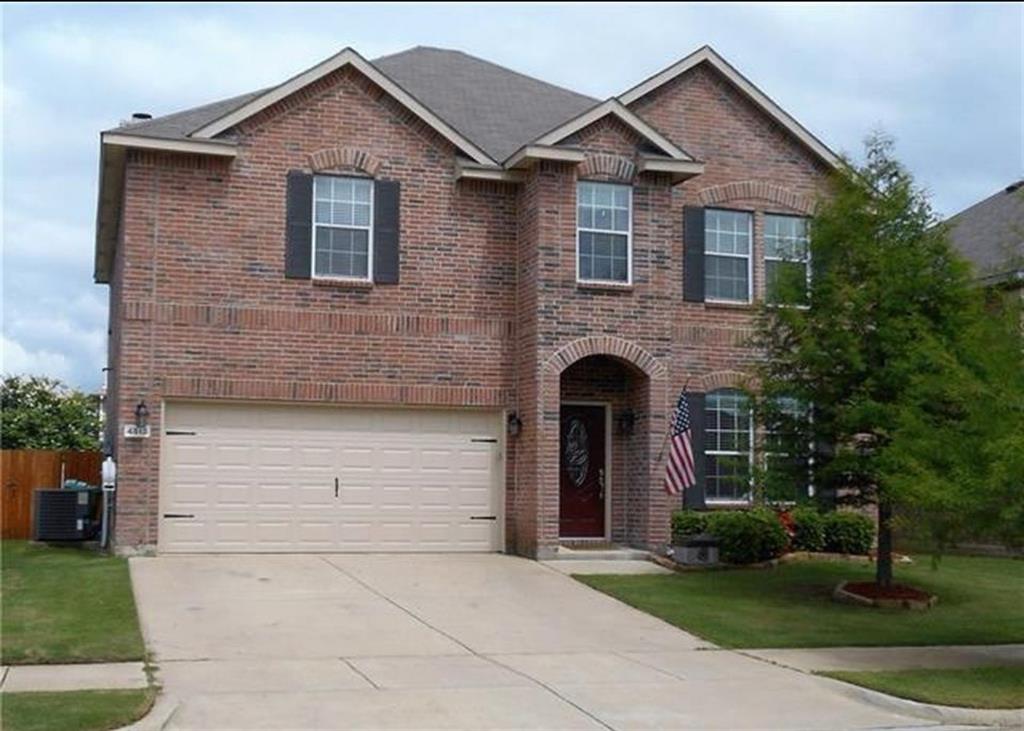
x=368 y=228
x=748 y=498
x=628 y=233
x=749 y=257
x=806 y=262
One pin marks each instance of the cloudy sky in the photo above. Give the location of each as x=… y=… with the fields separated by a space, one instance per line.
x=945 y=80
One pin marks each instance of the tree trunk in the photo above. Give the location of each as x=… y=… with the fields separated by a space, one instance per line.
x=883 y=560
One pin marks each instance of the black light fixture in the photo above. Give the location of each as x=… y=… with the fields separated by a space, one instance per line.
x=515 y=424
x=141 y=415
x=626 y=420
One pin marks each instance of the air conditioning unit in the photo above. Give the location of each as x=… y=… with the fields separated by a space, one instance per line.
x=697 y=550
x=65 y=515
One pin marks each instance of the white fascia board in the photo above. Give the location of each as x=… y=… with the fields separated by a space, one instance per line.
x=197 y=147
x=472 y=171
x=708 y=54
x=525 y=155
x=344 y=58
x=680 y=170
x=613 y=106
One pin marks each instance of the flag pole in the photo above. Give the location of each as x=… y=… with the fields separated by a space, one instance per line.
x=664 y=439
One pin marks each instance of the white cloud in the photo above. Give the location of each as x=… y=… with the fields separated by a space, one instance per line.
x=17 y=360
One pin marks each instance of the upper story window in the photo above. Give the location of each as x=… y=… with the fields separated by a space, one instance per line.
x=342 y=227
x=604 y=239
x=786 y=258
x=727 y=246
x=728 y=445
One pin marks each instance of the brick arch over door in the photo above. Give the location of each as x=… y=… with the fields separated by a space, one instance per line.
x=749 y=190
x=604 y=345
x=651 y=506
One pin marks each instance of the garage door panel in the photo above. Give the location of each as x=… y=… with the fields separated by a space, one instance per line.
x=261 y=478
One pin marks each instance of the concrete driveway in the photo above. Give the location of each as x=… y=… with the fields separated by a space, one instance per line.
x=447 y=641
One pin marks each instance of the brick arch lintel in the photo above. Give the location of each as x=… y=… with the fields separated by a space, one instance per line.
x=607 y=165
x=756 y=190
x=605 y=345
x=331 y=158
x=724 y=379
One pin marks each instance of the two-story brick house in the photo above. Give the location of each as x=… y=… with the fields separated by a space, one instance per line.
x=426 y=303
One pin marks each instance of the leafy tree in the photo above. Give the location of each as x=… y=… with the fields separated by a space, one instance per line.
x=917 y=389
x=44 y=413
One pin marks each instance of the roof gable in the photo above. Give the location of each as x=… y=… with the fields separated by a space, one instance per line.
x=347 y=57
x=706 y=54
x=613 y=107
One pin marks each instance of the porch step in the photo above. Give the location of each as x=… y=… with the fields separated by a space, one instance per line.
x=603 y=552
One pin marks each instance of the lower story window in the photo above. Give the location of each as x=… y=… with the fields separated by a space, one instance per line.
x=728 y=441
x=787 y=459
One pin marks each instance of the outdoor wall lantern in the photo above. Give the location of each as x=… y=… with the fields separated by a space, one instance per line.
x=141 y=415
x=515 y=424
x=627 y=420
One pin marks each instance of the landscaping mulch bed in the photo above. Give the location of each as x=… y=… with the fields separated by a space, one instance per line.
x=871 y=590
x=894 y=596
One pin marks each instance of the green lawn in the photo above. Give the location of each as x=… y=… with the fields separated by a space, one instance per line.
x=80 y=710
x=994 y=687
x=980 y=602
x=65 y=605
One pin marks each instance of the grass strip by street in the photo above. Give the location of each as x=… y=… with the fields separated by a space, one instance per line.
x=986 y=687
x=791 y=605
x=77 y=710
x=66 y=605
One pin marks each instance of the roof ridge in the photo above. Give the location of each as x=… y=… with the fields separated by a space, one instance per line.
x=492 y=64
x=1006 y=190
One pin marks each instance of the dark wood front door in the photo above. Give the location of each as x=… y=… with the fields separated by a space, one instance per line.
x=582 y=474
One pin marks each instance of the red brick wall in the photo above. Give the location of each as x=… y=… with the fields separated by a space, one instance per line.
x=487 y=298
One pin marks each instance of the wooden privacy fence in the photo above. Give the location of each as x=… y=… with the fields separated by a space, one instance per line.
x=24 y=470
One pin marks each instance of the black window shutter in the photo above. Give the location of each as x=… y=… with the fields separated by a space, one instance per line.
x=694 y=496
x=298 y=250
x=693 y=253
x=385 y=231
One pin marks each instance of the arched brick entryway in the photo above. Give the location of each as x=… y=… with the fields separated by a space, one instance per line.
x=645 y=506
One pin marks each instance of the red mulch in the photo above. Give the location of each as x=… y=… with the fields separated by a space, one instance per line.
x=871 y=590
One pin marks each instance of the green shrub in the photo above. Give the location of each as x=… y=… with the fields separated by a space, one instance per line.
x=808 y=529
x=747 y=536
x=687 y=523
x=848 y=532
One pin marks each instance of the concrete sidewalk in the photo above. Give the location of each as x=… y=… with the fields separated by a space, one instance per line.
x=893 y=658
x=86 y=676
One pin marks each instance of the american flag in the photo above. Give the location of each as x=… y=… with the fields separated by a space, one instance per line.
x=679 y=474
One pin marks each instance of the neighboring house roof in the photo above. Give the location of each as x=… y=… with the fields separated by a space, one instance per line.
x=991 y=235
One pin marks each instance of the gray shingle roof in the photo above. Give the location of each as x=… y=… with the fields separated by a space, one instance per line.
x=991 y=233
x=498 y=109
x=180 y=125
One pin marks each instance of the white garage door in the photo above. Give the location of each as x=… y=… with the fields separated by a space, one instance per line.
x=305 y=478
